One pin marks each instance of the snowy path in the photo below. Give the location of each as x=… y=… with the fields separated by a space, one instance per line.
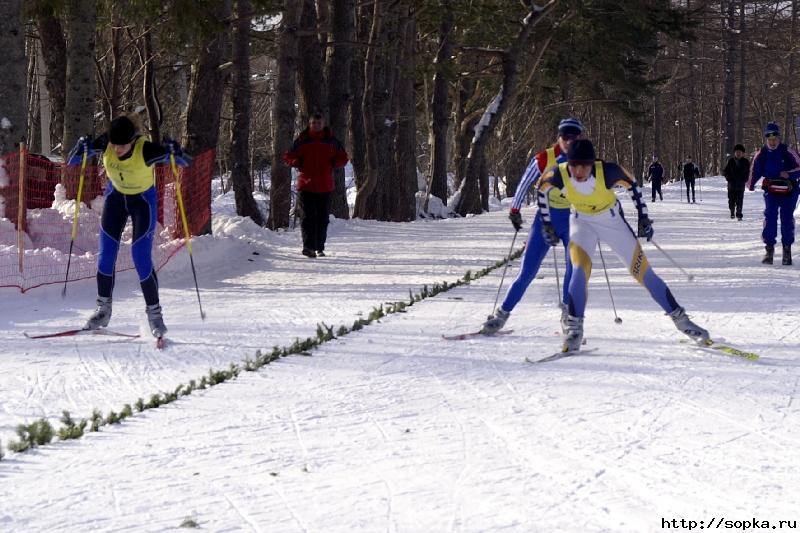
x=394 y=429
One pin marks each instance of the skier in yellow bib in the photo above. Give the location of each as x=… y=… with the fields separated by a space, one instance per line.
x=597 y=215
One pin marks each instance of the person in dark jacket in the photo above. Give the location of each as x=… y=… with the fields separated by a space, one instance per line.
x=655 y=173
x=736 y=173
x=690 y=173
x=779 y=165
x=316 y=152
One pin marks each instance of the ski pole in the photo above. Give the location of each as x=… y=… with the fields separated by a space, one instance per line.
x=187 y=235
x=75 y=217
x=617 y=319
x=558 y=282
x=505 y=269
x=690 y=277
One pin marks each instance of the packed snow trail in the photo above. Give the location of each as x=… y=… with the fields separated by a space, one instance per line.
x=394 y=429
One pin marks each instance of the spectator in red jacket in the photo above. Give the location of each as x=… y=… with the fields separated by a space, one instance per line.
x=316 y=152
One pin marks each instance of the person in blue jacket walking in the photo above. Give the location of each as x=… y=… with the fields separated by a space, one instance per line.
x=779 y=165
x=569 y=129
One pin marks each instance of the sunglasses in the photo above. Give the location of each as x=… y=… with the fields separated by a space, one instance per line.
x=569 y=136
x=771 y=135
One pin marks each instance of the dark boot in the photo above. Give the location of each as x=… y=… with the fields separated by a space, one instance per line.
x=768 y=256
x=787 y=254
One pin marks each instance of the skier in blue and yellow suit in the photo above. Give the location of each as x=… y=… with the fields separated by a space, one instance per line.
x=597 y=215
x=569 y=129
x=128 y=160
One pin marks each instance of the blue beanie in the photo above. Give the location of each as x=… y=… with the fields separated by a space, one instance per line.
x=772 y=127
x=581 y=152
x=571 y=126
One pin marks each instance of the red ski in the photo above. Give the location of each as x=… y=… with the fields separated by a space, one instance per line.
x=74 y=332
x=474 y=334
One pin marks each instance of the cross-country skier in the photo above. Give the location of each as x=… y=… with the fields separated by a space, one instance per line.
x=128 y=159
x=588 y=185
x=569 y=129
x=779 y=165
x=655 y=173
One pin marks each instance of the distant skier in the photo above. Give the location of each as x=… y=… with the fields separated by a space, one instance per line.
x=315 y=152
x=588 y=185
x=128 y=159
x=690 y=173
x=736 y=173
x=655 y=173
x=779 y=165
x=569 y=129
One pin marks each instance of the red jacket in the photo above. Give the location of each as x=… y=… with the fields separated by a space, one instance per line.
x=316 y=155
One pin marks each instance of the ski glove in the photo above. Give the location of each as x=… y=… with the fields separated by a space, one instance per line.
x=516 y=219
x=549 y=233
x=84 y=144
x=646 y=228
x=173 y=147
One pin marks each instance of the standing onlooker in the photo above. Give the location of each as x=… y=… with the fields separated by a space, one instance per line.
x=690 y=173
x=736 y=173
x=655 y=173
x=779 y=165
x=316 y=152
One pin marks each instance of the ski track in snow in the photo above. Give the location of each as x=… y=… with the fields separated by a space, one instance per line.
x=394 y=429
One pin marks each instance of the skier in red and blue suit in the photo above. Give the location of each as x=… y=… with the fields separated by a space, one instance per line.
x=779 y=165
x=569 y=130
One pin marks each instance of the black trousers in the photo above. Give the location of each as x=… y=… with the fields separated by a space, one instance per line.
x=656 y=186
x=314 y=227
x=689 y=183
x=735 y=201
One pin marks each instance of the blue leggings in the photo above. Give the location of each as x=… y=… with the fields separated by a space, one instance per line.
x=142 y=209
x=779 y=207
x=535 y=251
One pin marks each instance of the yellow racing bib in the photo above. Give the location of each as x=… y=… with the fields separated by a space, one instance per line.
x=131 y=175
x=601 y=198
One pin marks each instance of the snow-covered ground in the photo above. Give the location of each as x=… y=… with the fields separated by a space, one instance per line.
x=393 y=428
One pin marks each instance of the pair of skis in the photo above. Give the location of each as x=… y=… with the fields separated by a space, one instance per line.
x=709 y=346
x=160 y=341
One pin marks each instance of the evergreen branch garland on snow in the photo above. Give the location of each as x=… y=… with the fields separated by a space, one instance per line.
x=41 y=432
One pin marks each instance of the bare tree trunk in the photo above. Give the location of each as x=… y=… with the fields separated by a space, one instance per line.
x=311 y=69
x=284 y=115
x=149 y=89
x=81 y=19
x=12 y=92
x=206 y=89
x=358 y=134
x=789 y=130
x=240 y=98
x=440 y=106
x=469 y=198
x=464 y=129
x=728 y=96
x=380 y=70
x=403 y=203
x=54 y=55
x=742 y=75
x=339 y=93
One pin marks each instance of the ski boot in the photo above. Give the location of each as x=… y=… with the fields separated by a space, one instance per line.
x=495 y=322
x=156 y=321
x=687 y=327
x=787 y=254
x=101 y=315
x=769 y=255
x=573 y=337
x=564 y=317
x=309 y=252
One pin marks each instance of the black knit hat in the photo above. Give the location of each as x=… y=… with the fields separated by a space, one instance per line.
x=738 y=147
x=581 y=152
x=122 y=131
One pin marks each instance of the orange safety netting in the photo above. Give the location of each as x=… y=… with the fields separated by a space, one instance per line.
x=49 y=208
